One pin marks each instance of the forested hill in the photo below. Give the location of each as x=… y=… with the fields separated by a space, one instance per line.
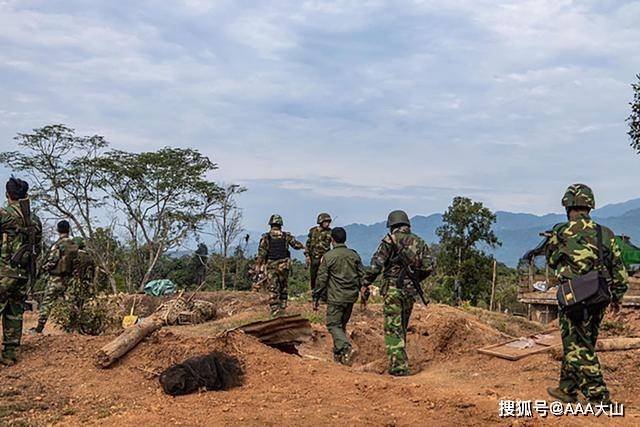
x=518 y=232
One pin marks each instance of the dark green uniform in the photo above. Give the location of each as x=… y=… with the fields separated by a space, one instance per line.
x=398 y=297
x=339 y=280
x=59 y=274
x=318 y=244
x=572 y=251
x=13 y=278
x=273 y=254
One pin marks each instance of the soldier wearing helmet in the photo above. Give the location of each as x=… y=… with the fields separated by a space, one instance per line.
x=573 y=250
x=398 y=292
x=318 y=244
x=274 y=257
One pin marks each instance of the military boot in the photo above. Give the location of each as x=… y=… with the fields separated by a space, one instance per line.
x=348 y=356
x=38 y=329
x=8 y=357
x=561 y=395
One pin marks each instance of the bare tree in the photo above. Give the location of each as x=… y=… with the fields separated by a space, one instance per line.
x=227 y=226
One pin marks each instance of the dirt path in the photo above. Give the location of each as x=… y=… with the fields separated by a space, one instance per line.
x=56 y=381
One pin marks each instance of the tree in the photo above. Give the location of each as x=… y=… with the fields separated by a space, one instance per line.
x=227 y=226
x=63 y=177
x=165 y=196
x=463 y=265
x=634 y=117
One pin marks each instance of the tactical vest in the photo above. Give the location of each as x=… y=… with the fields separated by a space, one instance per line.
x=278 y=248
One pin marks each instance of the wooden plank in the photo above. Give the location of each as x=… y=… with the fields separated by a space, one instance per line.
x=541 y=343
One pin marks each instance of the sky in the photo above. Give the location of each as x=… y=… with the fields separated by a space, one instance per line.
x=355 y=107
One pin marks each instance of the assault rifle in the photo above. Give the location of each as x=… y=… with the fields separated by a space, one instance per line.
x=29 y=245
x=408 y=271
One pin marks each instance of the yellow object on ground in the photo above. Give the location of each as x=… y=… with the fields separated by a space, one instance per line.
x=130 y=320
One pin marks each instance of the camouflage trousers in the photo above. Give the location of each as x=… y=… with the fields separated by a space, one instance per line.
x=54 y=291
x=13 y=293
x=581 y=369
x=278 y=285
x=314 y=265
x=338 y=316
x=397 y=308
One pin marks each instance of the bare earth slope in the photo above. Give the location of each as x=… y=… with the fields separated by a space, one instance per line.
x=56 y=382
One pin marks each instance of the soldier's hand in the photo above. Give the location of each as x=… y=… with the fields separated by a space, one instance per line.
x=307 y=261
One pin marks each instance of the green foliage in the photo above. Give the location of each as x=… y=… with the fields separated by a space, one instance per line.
x=84 y=310
x=464 y=272
x=634 y=117
x=299 y=279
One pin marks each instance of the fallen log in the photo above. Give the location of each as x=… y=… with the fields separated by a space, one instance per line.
x=174 y=312
x=617 y=344
x=131 y=336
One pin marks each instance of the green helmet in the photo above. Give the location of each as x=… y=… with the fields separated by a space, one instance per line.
x=323 y=217
x=398 y=218
x=579 y=196
x=276 y=220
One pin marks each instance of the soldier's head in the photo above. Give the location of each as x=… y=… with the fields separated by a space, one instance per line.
x=397 y=219
x=578 y=199
x=324 y=220
x=17 y=189
x=338 y=235
x=276 y=221
x=64 y=227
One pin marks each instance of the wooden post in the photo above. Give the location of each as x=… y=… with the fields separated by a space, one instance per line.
x=493 y=285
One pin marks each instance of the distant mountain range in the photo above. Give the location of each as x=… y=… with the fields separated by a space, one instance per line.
x=518 y=232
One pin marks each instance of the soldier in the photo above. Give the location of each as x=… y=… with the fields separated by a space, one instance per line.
x=339 y=282
x=21 y=239
x=60 y=265
x=318 y=244
x=573 y=251
x=397 y=290
x=275 y=258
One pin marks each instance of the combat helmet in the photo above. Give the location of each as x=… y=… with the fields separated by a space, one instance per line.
x=579 y=196
x=398 y=218
x=276 y=220
x=323 y=217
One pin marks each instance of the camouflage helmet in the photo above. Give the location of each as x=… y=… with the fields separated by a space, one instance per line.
x=579 y=196
x=398 y=218
x=276 y=220
x=323 y=217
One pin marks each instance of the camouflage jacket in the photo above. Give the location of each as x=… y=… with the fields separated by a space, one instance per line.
x=10 y=223
x=572 y=251
x=263 y=247
x=318 y=242
x=339 y=276
x=56 y=252
x=384 y=259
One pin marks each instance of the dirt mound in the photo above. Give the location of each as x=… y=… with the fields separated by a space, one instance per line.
x=56 y=381
x=436 y=333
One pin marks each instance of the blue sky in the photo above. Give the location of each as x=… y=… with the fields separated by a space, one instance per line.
x=353 y=107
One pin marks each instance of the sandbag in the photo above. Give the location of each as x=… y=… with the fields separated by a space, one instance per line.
x=214 y=371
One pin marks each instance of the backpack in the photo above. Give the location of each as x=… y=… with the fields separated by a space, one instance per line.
x=68 y=254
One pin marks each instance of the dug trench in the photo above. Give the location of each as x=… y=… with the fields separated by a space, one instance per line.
x=56 y=381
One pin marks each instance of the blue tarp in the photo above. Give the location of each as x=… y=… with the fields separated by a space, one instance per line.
x=161 y=287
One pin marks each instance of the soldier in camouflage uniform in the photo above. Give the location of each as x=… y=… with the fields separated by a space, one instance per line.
x=399 y=295
x=318 y=244
x=274 y=257
x=572 y=251
x=59 y=264
x=339 y=281
x=14 y=262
